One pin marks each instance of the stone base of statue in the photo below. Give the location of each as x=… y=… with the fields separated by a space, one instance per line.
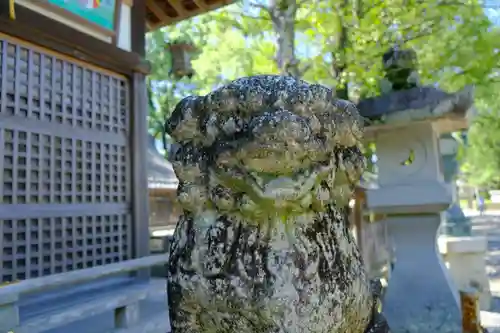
x=267 y=165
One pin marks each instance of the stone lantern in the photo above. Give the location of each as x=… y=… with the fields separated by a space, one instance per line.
x=407 y=121
x=181 y=55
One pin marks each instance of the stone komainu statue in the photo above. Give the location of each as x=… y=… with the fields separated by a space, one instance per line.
x=266 y=165
x=400 y=67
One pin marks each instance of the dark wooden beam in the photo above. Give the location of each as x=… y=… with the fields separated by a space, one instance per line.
x=179 y=8
x=201 y=4
x=139 y=27
x=40 y=30
x=185 y=14
x=159 y=13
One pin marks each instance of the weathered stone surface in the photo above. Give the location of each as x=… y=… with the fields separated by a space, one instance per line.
x=266 y=165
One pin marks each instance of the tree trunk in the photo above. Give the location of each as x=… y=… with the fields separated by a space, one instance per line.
x=283 y=14
x=339 y=63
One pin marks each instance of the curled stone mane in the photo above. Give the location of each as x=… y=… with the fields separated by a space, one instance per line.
x=266 y=167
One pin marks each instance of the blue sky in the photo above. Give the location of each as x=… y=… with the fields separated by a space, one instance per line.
x=494 y=15
x=492 y=9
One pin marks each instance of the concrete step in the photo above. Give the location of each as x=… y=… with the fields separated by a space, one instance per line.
x=84 y=308
x=159 y=323
x=153 y=312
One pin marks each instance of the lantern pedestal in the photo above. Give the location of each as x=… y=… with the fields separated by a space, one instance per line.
x=418 y=297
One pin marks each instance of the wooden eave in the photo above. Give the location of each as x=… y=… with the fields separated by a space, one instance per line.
x=161 y=13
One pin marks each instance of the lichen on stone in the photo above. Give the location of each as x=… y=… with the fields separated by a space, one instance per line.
x=266 y=166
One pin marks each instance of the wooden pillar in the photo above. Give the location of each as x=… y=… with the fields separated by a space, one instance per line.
x=471 y=317
x=138 y=32
x=139 y=136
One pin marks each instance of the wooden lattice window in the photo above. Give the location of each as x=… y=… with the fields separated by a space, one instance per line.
x=64 y=161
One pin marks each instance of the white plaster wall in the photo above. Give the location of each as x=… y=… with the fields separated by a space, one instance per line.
x=495 y=196
x=125 y=28
x=124 y=31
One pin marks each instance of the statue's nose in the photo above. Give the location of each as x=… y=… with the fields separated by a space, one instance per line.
x=280 y=126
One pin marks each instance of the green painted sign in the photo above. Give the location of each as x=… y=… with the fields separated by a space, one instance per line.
x=98 y=12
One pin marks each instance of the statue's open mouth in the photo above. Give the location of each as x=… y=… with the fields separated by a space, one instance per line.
x=265 y=186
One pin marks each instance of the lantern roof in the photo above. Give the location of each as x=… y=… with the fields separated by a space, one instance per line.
x=448 y=112
x=167 y=12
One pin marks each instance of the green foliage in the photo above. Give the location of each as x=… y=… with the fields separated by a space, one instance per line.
x=481 y=159
x=163 y=91
x=239 y=40
x=339 y=43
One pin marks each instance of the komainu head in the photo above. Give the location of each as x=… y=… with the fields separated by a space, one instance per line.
x=266 y=145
